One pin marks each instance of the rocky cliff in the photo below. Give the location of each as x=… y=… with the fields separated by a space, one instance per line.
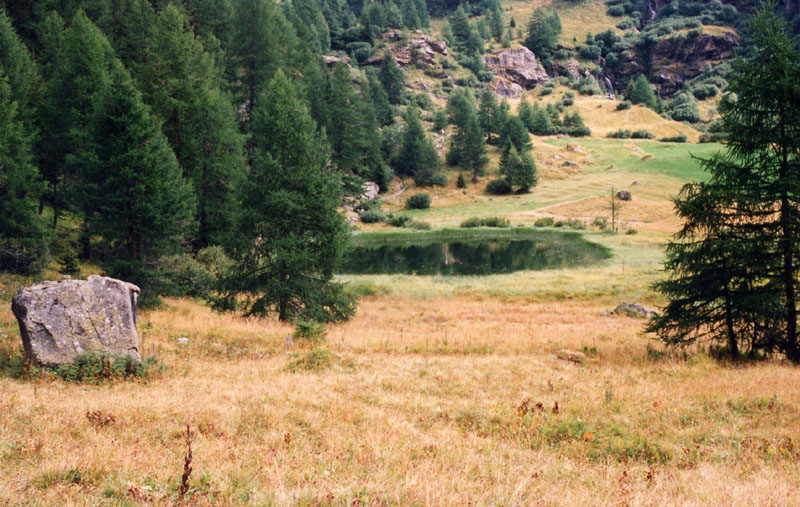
x=515 y=70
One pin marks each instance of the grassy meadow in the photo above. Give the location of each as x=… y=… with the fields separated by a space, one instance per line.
x=513 y=389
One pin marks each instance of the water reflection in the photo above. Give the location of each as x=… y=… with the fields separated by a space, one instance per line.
x=474 y=257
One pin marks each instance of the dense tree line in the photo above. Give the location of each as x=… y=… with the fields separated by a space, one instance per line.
x=133 y=130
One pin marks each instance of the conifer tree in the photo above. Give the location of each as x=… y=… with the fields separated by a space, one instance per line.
x=417 y=156
x=640 y=92
x=747 y=218
x=133 y=195
x=519 y=170
x=290 y=237
x=486 y=113
x=496 y=24
x=22 y=247
x=78 y=75
x=182 y=83
x=263 y=42
x=20 y=71
x=543 y=32
x=392 y=78
x=380 y=100
x=352 y=131
x=515 y=134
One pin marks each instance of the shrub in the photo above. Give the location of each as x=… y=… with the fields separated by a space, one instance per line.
x=572 y=223
x=461 y=182
x=420 y=226
x=372 y=216
x=430 y=179
x=439 y=120
x=485 y=222
x=500 y=186
x=423 y=101
x=398 y=220
x=600 y=222
x=24 y=256
x=674 y=139
x=95 y=368
x=616 y=10
x=545 y=91
x=419 y=201
x=591 y=53
x=309 y=330
x=316 y=360
x=620 y=134
x=182 y=275
x=623 y=105
x=641 y=134
x=544 y=222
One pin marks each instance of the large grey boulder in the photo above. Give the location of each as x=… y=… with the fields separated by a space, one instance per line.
x=61 y=320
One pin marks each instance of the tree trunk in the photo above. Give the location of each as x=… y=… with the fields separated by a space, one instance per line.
x=733 y=346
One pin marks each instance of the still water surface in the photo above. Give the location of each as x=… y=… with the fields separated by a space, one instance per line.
x=474 y=256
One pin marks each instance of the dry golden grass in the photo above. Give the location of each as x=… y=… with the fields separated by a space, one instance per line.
x=427 y=402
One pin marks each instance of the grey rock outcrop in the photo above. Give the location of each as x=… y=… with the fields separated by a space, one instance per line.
x=408 y=49
x=61 y=320
x=623 y=195
x=514 y=66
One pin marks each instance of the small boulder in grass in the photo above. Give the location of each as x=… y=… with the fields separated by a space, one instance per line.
x=623 y=195
x=634 y=310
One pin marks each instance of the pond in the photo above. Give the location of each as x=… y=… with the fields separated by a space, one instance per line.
x=473 y=255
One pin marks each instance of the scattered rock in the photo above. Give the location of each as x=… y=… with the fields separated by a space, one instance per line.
x=647 y=157
x=59 y=321
x=569 y=163
x=574 y=147
x=623 y=195
x=636 y=182
x=633 y=310
x=183 y=340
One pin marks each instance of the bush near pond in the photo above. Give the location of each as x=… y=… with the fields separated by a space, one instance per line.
x=419 y=201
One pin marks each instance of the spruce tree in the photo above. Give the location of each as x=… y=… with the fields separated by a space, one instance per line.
x=487 y=108
x=133 y=195
x=496 y=24
x=384 y=113
x=290 y=236
x=20 y=71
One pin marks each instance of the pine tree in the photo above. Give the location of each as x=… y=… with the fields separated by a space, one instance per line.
x=290 y=237
x=352 y=131
x=543 y=32
x=263 y=42
x=384 y=113
x=19 y=179
x=515 y=134
x=417 y=157
x=468 y=148
x=78 y=75
x=133 y=195
x=748 y=215
x=182 y=84
x=486 y=112
x=519 y=170
x=392 y=78
x=640 y=92
x=459 y=24
x=496 y=24
x=20 y=71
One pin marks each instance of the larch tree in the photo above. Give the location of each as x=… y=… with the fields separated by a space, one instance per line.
x=748 y=215
x=289 y=237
